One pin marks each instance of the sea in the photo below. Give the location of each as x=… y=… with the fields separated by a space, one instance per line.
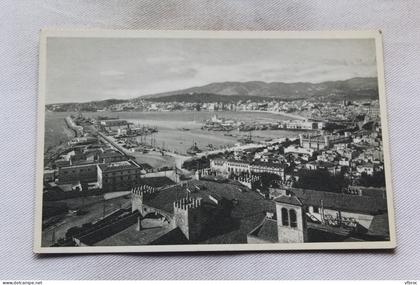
x=56 y=130
x=177 y=131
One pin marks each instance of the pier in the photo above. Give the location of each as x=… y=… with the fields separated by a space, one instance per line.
x=109 y=140
x=78 y=130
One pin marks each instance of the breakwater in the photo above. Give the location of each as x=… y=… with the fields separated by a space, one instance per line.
x=78 y=130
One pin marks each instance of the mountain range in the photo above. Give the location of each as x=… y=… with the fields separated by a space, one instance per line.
x=351 y=89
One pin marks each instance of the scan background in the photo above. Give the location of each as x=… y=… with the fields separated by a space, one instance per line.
x=20 y=22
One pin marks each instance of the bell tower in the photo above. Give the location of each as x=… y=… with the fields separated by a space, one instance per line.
x=291 y=219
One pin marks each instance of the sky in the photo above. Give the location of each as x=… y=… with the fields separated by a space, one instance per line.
x=88 y=69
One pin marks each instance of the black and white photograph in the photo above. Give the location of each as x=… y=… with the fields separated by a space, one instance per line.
x=212 y=141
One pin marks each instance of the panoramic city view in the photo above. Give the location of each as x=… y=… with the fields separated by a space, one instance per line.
x=212 y=141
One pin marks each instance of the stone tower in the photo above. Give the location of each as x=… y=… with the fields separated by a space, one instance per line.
x=189 y=217
x=291 y=220
x=138 y=195
x=136 y=199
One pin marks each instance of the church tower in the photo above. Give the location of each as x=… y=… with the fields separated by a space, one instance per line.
x=291 y=220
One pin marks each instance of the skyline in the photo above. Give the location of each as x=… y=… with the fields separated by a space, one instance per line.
x=83 y=70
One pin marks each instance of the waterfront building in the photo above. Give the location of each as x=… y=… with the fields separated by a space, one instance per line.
x=118 y=176
x=267 y=167
x=299 y=150
x=111 y=155
x=227 y=167
x=83 y=173
x=113 y=123
x=320 y=142
x=83 y=140
x=302 y=125
x=315 y=142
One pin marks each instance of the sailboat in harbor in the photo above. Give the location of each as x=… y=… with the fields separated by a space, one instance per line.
x=193 y=150
x=247 y=139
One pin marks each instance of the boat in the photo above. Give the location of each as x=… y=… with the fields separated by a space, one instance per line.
x=246 y=140
x=193 y=150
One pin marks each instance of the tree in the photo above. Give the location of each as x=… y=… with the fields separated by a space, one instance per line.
x=268 y=180
x=321 y=180
x=375 y=180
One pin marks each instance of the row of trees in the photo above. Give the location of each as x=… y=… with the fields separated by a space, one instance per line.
x=322 y=180
x=325 y=181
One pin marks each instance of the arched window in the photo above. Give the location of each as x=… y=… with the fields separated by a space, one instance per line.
x=284 y=217
x=293 y=219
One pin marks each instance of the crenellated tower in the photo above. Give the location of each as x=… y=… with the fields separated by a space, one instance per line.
x=138 y=195
x=189 y=217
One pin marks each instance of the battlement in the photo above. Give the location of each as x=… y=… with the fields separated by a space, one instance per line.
x=189 y=217
x=138 y=194
x=187 y=203
x=143 y=189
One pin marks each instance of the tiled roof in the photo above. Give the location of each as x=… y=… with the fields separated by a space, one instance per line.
x=121 y=165
x=339 y=201
x=379 y=226
x=111 y=154
x=289 y=199
x=268 y=231
x=175 y=236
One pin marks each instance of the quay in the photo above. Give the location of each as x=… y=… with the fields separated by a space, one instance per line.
x=78 y=130
x=109 y=140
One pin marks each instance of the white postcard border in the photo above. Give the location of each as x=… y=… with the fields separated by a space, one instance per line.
x=96 y=33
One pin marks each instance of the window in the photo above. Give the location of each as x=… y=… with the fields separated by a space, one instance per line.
x=293 y=219
x=316 y=210
x=284 y=217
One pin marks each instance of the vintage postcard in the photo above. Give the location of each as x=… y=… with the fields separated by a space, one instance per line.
x=212 y=141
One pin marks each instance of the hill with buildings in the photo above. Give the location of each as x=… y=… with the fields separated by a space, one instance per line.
x=85 y=106
x=256 y=91
x=205 y=98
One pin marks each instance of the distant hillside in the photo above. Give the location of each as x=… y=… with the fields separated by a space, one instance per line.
x=206 y=98
x=85 y=107
x=351 y=89
x=257 y=91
